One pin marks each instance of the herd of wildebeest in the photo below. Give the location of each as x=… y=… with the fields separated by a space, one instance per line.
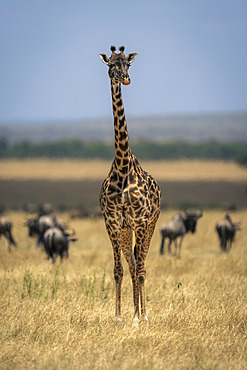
x=55 y=236
x=52 y=234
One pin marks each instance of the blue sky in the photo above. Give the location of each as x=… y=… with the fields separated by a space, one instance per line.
x=192 y=57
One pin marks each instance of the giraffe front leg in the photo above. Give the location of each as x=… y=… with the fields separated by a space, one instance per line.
x=141 y=253
x=118 y=268
x=143 y=238
x=127 y=249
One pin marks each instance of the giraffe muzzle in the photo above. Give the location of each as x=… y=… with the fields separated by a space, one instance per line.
x=126 y=81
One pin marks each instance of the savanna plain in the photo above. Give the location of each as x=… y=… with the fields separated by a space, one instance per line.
x=60 y=316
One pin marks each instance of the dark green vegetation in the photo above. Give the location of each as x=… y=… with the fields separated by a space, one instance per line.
x=73 y=148
x=65 y=195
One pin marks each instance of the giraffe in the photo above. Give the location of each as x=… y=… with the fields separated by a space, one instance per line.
x=129 y=197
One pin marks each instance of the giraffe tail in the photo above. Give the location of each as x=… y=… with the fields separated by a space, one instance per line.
x=135 y=252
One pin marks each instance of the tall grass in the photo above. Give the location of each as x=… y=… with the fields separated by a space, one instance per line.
x=61 y=316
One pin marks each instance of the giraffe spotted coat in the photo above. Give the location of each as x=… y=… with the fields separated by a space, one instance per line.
x=130 y=197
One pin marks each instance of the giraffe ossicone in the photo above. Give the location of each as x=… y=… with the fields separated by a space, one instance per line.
x=129 y=197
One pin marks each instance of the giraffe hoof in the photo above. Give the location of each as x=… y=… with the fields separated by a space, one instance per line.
x=118 y=321
x=135 y=323
x=145 y=319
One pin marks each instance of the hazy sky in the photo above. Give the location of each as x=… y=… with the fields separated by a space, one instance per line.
x=192 y=57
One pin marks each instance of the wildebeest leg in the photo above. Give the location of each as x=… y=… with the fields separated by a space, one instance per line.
x=162 y=246
x=179 y=247
x=224 y=244
x=169 y=246
x=40 y=240
x=48 y=247
x=63 y=251
x=224 y=240
x=11 y=239
x=66 y=249
x=175 y=248
x=9 y=244
x=228 y=245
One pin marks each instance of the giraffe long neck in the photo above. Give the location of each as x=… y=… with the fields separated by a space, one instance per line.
x=122 y=151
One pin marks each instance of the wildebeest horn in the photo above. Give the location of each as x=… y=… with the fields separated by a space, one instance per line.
x=70 y=232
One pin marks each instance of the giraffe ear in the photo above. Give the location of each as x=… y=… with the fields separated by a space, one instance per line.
x=131 y=57
x=104 y=58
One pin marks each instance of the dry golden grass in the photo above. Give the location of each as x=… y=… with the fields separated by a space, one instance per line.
x=61 y=316
x=182 y=170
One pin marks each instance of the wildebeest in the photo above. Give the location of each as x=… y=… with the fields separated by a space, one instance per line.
x=6 y=230
x=38 y=226
x=56 y=243
x=226 y=231
x=177 y=227
x=45 y=209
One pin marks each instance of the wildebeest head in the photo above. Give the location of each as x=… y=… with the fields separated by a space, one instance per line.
x=69 y=234
x=235 y=226
x=33 y=226
x=190 y=220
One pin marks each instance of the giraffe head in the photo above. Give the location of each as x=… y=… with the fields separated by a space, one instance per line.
x=118 y=65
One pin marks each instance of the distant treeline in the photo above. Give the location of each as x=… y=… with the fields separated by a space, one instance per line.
x=73 y=148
